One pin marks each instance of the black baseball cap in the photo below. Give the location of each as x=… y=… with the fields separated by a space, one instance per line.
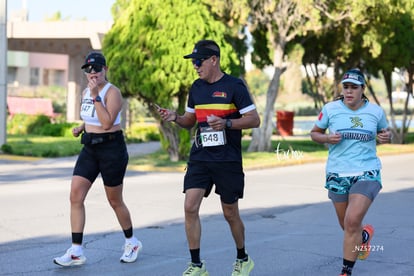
x=94 y=58
x=203 y=49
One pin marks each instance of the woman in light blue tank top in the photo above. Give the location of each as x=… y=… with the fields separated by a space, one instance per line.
x=351 y=127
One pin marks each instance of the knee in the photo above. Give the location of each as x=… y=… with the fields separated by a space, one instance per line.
x=352 y=224
x=115 y=202
x=190 y=209
x=76 y=197
x=79 y=189
x=192 y=202
x=230 y=214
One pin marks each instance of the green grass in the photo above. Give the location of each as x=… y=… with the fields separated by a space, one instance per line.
x=286 y=151
x=289 y=151
x=41 y=146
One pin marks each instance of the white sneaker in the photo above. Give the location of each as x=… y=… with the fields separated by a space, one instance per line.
x=131 y=251
x=70 y=259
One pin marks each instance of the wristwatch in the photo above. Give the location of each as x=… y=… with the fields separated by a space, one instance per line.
x=97 y=99
x=229 y=124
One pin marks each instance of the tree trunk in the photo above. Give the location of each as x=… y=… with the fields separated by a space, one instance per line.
x=406 y=121
x=398 y=135
x=170 y=140
x=262 y=137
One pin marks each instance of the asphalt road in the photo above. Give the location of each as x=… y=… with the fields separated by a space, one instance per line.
x=291 y=227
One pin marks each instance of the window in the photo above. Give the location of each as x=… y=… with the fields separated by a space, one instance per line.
x=11 y=75
x=34 y=76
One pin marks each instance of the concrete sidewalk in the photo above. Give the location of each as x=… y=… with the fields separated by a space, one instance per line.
x=143 y=148
x=291 y=227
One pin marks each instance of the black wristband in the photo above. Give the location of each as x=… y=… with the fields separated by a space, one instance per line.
x=229 y=124
x=176 y=116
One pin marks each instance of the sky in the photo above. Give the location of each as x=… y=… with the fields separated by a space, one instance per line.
x=91 y=10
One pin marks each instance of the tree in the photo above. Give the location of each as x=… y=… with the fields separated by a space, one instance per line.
x=390 y=40
x=377 y=37
x=145 y=49
x=338 y=46
x=234 y=15
x=273 y=25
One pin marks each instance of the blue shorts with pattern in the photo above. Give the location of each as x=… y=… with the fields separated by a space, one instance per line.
x=342 y=184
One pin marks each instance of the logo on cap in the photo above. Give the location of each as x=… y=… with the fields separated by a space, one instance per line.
x=353 y=77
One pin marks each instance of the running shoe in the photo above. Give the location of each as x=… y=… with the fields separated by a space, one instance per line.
x=242 y=268
x=345 y=274
x=195 y=270
x=365 y=246
x=131 y=251
x=70 y=259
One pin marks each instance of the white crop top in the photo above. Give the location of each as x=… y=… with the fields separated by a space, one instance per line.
x=88 y=112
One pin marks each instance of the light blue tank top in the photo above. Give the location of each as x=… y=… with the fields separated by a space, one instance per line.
x=88 y=112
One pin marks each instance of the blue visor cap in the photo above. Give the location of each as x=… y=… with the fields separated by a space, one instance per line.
x=354 y=78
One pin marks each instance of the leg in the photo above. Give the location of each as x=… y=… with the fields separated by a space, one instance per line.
x=351 y=209
x=132 y=245
x=84 y=174
x=243 y=264
x=193 y=199
x=115 y=199
x=340 y=208
x=357 y=208
x=232 y=216
x=192 y=202
x=79 y=189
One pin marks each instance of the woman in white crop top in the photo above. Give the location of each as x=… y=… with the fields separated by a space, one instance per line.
x=104 y=152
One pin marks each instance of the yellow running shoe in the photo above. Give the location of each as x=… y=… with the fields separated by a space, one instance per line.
x=242 y=268
x=365 y=246
x=194 y=270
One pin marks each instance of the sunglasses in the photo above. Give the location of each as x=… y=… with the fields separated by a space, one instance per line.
x=93 y=68
x=199 y=61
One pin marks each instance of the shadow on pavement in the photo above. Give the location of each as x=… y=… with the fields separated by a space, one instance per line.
x=287 y=240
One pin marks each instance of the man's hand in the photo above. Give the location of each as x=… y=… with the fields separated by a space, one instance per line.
x=216 y=123
x=165 y=114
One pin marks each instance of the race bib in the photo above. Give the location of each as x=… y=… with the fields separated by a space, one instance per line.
x=211 y=138
x=87 y=110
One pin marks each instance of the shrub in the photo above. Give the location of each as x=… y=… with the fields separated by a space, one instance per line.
x=184 y=146
x=138 y=133
x=26 y=124
x=36 y=125
x=42 y=146
x=57 y=130
x=7 y=148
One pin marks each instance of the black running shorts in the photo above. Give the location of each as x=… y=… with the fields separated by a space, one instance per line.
x=228 y=177
x=109 y=158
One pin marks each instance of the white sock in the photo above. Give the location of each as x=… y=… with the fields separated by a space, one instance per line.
x=77 y=249
x=132 y=239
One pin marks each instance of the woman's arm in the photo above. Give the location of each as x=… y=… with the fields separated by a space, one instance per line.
x=107 y=114
x=318 y=135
